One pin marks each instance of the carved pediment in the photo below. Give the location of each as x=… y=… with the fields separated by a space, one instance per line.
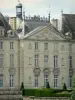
x=46 y=34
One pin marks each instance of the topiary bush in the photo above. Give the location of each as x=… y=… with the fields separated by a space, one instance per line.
x=22 y=88
x=47 y=85
x=64 y=87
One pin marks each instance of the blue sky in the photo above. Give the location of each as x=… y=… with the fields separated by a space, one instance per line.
x=38 y=7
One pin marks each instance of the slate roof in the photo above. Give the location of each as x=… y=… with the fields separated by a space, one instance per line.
x=38 y=29
x=4 y=23
x=68 y=23
x=31 y=25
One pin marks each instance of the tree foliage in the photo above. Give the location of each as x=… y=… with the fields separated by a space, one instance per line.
x=64 y=87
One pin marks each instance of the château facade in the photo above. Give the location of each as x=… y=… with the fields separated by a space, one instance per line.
x=35 y=54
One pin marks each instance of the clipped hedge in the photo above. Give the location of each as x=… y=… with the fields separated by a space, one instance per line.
x=46 y=93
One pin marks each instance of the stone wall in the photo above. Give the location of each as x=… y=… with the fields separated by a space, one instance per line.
x=46 y=98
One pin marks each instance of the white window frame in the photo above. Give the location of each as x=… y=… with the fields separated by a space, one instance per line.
x=11 y=45
x=36 y=45
x=36 y=81
x=11 y=80
x=1 y=45
x=36 y=60
x=70 y=61
x=55 y=60
x=1 y=80
x=45 y=78
x=45 y=46
x=11 y=60
x=70 y=81
x=46 y=59
x=1 y=60
x=55 y=80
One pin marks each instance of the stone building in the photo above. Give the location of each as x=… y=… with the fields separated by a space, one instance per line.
x=35 y=54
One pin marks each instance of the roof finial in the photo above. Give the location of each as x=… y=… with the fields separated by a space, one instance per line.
x=49 y=15
x=61 y=11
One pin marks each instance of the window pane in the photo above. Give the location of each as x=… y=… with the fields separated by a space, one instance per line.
x=36 y=45
x=11 y=80
x=46 y=46
x=1 y=60
x=12 y=60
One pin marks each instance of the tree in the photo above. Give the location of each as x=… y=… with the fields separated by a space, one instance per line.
x=64 y=87
x=47 y=85
x=22 y=86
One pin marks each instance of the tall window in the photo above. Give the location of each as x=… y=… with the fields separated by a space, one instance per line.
x=11 y=45
x=46 y=59
x=11 y=60
x=70 y=47
x=1 y=60
x=1 y=80
x=45 y=78
x=11 y=80
x=1 y=45
x=70 y=80
x=55 y=61
x=45 y=46
x=70 y=61
x=55 y=80
x=36 y=60
x=36 y=81
x=36 y=45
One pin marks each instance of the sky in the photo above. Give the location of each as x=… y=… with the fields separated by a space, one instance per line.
x=38 y=7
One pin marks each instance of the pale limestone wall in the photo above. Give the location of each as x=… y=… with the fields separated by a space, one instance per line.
x=6 y=69
x=26 y=69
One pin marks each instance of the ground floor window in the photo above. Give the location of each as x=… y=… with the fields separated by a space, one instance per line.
x=70 y=81
x=55 y=80
x=36 y=81
x=11 y=80
x=45 y=78
x=1 y=80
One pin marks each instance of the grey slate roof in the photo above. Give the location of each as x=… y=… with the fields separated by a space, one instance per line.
x=68 y=23
x=31 y=25
x=4 y=23
x=50 y=27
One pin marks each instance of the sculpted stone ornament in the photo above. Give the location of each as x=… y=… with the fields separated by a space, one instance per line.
x=36 y=71
x=12 y=70
x=56 y=71
x=46 y=70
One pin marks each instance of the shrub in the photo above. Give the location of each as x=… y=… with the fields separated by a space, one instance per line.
x=47 y=85
x=22 y=86
x=64 y=87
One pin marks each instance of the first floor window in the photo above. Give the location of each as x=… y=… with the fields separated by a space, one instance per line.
x=55 y=80
x=36 y=81
x=70 y=81
x=55 y=61
x=1 y=80
x=11 y=80
x=11 y=60
x=1 y=60
x=36 y=60
x=1 y=45
x=11 y=45
x=45 y=78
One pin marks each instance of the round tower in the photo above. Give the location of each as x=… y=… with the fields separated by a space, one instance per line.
x=18 y=14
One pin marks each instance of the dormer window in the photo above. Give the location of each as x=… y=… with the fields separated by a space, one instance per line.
x=10 y=33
